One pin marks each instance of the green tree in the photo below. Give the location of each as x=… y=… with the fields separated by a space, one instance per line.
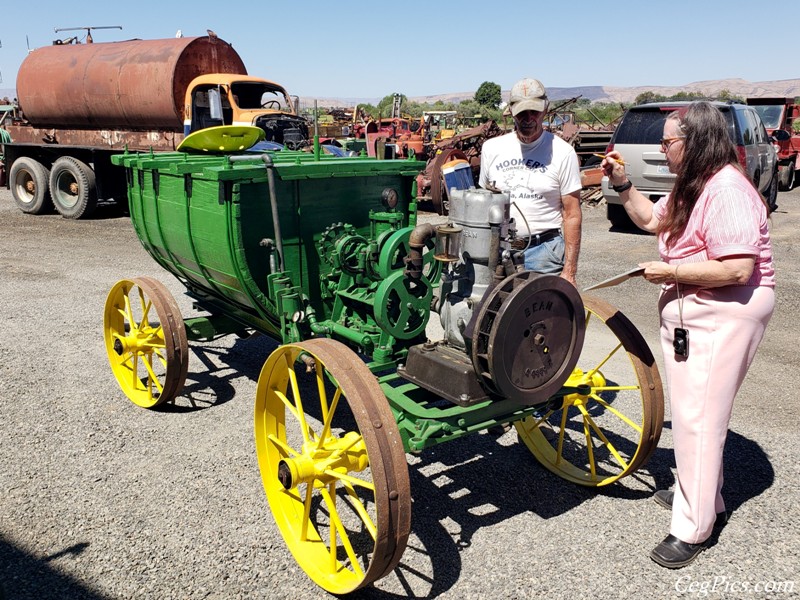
x=385 y=105
x=469 y=108
x=648 y=96
x=680 y=96
x=488 y=94
x=727 y=96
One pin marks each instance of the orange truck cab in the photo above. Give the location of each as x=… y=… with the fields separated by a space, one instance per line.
x=228 y=99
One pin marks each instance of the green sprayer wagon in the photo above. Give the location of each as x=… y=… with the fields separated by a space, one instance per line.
x=325 y=255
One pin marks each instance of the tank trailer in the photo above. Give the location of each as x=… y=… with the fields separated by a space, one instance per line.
x=82 y=103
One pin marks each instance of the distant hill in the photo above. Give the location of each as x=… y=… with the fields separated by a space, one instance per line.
x=597 y=93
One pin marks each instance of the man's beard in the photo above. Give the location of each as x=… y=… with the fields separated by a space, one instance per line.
x=527 y=135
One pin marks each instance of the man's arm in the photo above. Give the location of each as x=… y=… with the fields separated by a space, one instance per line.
x=572 y=216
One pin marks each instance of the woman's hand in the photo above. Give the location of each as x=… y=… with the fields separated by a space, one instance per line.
x=658 y=272
x=613 y=166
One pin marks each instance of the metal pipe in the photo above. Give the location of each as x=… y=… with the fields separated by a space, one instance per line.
x=494 y=248
x=316 y=133
x=496 y=219
x=273 y=200
x=416 y=242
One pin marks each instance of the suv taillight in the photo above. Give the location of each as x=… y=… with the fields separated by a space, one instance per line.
x=742 y=156
x=609 y=148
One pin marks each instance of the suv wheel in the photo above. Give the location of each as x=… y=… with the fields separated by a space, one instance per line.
x=618 y=217
x=772 y=193
x=787 y=177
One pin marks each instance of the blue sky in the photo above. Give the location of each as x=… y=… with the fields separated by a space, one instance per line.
x=368 y=49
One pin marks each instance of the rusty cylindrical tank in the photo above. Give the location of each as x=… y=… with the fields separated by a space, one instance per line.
x=136 y=84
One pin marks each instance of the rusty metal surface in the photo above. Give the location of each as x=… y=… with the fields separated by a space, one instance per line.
x=438 y=191
x=137 y=84
x=591 y=176
x=465 y=145
x=445 y=371
x=112 y=139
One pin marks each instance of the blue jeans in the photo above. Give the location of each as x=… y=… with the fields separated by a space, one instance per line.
x=547 y=257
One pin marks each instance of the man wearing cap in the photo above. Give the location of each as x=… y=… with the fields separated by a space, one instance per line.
x=540 y=172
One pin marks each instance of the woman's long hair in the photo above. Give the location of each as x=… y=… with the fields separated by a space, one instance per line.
x=707 y=148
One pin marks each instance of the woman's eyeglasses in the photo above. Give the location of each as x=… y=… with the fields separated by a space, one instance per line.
x=667 y=142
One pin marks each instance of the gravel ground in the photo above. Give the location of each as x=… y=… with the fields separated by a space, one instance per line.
x=100 y=499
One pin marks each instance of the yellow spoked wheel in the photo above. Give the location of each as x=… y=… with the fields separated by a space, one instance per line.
x=332 y=463
x=608 y=432
x=146 y=341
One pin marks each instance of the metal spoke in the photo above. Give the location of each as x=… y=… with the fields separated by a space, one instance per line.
x=601 y=435
x=361 y=510
x=287 y=450
x=561 y=435
x=130 y=312
x=153 y=376
x=146 y=304
x=335 y=520
x=350 y=479
x=614 y=411
x=135 y=372
x=608 y=357
x=323 y=396
x=589 y=447
x=326 y=428
x=162 y=359
x=543 y=419
x=301 y=415
x=306 y=512
x=287 y=403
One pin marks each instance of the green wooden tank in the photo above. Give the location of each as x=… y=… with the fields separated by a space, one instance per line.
x=208 y=221
x=325 y=255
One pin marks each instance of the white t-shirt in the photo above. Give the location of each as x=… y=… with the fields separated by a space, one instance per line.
x=536 y=175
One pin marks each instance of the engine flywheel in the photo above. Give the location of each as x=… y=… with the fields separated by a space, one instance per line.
x=528 y=336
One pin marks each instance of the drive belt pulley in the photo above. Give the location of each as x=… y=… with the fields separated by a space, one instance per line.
x=528 y=336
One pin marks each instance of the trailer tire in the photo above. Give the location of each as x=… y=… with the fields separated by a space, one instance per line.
x=29 y=181
x=73 y=188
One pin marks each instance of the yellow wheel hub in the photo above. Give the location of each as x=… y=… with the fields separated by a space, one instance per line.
x=324 y=465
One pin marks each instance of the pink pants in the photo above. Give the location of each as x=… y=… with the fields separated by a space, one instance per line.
x=725 y=326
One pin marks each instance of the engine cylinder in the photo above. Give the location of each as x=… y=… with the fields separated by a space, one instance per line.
x=474 y=211
x=471 y=209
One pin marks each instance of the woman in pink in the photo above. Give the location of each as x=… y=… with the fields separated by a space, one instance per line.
x=717 y=297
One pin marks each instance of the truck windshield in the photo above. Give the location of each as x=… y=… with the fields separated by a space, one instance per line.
x=252 y=95
x=770 y=115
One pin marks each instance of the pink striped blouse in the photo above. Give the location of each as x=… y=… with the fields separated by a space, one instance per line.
x=729 y=219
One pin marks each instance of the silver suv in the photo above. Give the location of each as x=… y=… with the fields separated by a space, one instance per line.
x=638 y=139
